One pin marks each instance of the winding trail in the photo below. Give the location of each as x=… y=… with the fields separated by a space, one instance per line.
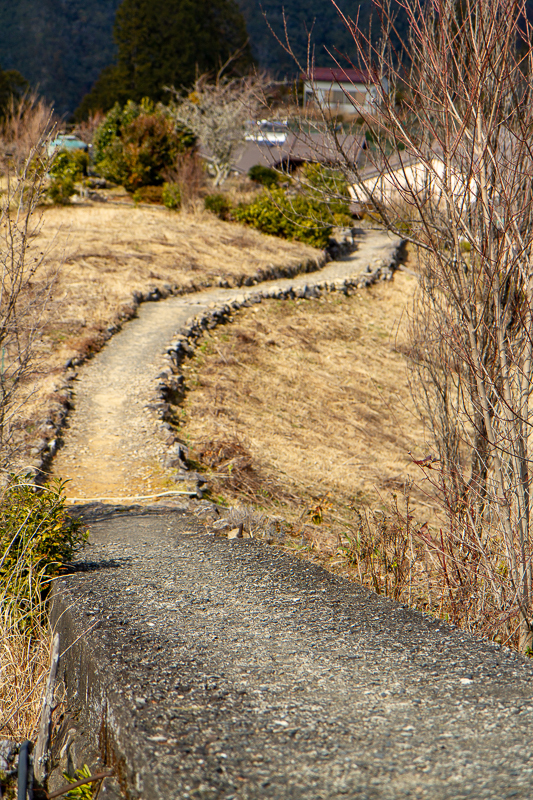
x=113 y=443
x=204 y=668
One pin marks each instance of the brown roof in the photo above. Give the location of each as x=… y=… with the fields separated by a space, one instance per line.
x=338 y=75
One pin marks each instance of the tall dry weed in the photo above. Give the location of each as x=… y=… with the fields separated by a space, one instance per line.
x=24 y=664
x=24 y=130
x=85 y=129
x=188 y=174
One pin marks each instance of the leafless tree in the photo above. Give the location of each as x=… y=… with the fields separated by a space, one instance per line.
x=218 y=113
x=23 y=290
x=449 y=167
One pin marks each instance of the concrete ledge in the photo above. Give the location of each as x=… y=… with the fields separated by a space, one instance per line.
x=204 y=668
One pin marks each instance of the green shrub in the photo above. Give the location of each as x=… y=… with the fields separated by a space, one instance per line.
x=148 y=194
x=67 y=168
x=323 y=181
x=301 y=217
x=218 y=204
x=263 y=175
x=137 y=143
x=37 y=538
x=171 y=195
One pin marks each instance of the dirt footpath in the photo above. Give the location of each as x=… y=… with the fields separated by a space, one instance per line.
x=112 y=444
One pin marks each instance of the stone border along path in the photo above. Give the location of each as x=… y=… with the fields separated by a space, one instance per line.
x=213 y=669
x=117 y=445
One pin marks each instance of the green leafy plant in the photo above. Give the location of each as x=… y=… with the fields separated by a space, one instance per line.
x=84 y=792
x=171 y=195
x=137 y=143
x=324 y=182
x=67 y=168
x=301 y=217
x=263 y=175
x=218 y=204
x=37 y=538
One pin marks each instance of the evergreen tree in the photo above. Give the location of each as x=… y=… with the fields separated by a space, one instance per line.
x=168 y=43
x=12 y=85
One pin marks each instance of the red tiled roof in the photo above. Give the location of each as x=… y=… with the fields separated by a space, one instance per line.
x=338 y=75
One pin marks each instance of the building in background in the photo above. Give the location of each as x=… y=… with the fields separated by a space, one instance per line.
x=341 y=90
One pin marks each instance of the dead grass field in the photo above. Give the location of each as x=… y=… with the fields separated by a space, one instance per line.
x=304 y=408
x=102 y=254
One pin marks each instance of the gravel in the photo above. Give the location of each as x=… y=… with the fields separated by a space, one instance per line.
x=208 y=668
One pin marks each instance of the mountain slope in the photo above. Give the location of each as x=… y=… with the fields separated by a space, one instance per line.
x=62 y=45
x=58 y=45
x=319 y=17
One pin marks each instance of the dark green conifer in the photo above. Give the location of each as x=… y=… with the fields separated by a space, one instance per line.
x=168 y=43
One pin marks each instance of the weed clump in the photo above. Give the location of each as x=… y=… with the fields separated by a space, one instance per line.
x=171 y=196
x=219 y=205
x=37 y=540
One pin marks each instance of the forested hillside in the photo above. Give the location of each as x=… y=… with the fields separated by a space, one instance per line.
x=63 y=46
x=59 y=46
x=319 y=17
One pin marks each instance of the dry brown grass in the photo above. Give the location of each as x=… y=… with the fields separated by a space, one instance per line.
x=304 y=409
x=317 y=393
x=24 y=666
x=317 y=389
x=102 y=254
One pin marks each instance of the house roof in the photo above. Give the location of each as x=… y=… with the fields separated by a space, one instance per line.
x=337 y=75
x=297 y=150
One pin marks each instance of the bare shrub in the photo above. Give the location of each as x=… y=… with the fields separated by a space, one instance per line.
x=234 y=471
x=218 y=113
x=24 y=130
x=23 y=297
x=449 y=167
x=381 y=548
x=232 y=462
x=189 y=176
x=85 y=129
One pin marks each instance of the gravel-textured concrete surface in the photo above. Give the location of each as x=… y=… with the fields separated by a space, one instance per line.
x=228 y=669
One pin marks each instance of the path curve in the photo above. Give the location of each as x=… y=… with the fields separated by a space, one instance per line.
x=113 y=444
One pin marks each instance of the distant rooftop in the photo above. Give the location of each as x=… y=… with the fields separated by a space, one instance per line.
x=338 y=75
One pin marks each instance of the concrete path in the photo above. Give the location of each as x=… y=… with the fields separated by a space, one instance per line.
x=112 y=443
x=226 y=670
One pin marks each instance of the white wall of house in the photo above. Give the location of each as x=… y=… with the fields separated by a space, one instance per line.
x=424 y=179
x=333 y=94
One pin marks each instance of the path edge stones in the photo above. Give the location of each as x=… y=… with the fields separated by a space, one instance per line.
x=45 y=448
x=170 y=380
